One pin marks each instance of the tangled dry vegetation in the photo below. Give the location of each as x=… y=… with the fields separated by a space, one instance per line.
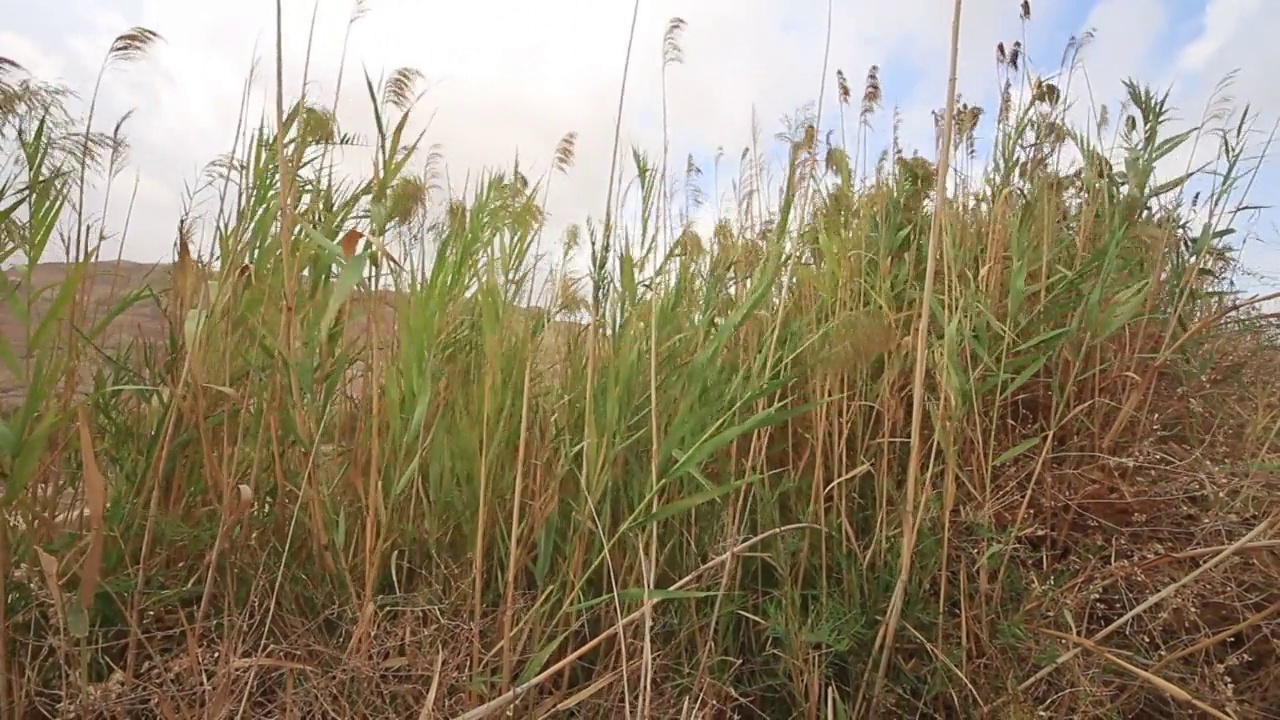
x=868 y=447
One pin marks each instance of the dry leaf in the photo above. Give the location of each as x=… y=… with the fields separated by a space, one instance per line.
x=185 y=277
x=49 y=565
x=350 y=240
x=244 y=499
x=95 y=492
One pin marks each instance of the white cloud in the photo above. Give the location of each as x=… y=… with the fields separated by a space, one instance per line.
x=1230 y=36
x=507 y=76
x=38 y=62
x=1223 y=20
x=504 y=75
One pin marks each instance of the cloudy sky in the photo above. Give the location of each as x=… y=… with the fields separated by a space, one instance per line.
x=511 y=75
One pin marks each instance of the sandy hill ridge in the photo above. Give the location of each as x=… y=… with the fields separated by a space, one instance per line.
x=107 y=283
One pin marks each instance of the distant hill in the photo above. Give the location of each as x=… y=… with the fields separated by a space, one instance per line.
x=145 y=321
x=106 y=284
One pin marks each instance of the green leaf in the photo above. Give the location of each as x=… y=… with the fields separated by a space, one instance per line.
x=1041 y=339
x=1025 y=375
x=77 y=621
x=689 y=502
x=539 y=659
x=655 y=595
x=8 y=443
x=62 y=300
x=192 y=324
x=709 y=445
x=1016 y=450
x=32 y=448
x=350 y=276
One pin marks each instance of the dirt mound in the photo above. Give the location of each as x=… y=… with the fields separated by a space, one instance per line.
x=106 y=285
x=103 y=287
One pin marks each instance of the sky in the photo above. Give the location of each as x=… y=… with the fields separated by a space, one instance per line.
x=511 y=76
